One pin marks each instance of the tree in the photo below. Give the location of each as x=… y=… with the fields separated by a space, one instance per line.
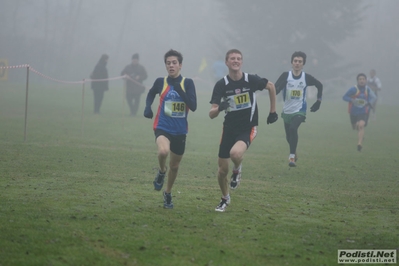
x=270 y=31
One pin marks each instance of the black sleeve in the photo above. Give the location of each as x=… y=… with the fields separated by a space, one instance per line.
x=312 y=81
x=99 y=72
x=102 y=73
x=189 y=96
x=281 y=82
x=217 y=94
x=155 y=89
x=143 y=74
x=260 y=83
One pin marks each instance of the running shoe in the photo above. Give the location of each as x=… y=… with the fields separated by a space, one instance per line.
x=222 y=205
x=158 y=181
x=292 y=162
x=235 y=178
x=359 y=147
x=167 y=200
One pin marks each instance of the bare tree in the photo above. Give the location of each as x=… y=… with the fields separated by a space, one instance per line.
x=128 y=9
x=68 y=38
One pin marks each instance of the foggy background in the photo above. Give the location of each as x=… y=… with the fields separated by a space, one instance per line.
x=64 y=39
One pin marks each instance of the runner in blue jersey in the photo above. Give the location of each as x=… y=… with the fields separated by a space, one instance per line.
x=176 y=97
x=294 y=84
x=235 y=95
x=361 y=98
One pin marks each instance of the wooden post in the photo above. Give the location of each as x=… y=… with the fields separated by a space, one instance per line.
x=123 y=104
x=83 y=106
x=26 y=102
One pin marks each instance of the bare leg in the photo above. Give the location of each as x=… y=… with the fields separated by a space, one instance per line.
x=173 y=169
x=163 y=150
x=360 y=132
x=237 y=153
x=222 y=175
x=236 y=156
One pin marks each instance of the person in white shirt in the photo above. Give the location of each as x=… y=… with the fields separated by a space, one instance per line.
x=293 y=84
x=375 y=85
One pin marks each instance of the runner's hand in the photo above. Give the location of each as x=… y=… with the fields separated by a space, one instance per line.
x=148 y=112
x=315 y=106
x=224 y=105
x=272 y=118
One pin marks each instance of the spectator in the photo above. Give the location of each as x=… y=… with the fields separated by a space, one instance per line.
x=136 y=74
x=99 y=87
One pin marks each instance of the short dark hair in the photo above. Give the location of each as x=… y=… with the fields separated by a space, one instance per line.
x=135 y=56
x=233 y=51
x=172 y=52
x=360 y=75
x=104 y=58
x=299 y=54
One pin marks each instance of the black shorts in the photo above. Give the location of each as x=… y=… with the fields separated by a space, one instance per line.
x=177 y=142
x=230 y=138
x=357 y=118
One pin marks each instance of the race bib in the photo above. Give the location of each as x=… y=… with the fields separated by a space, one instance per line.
x=295 y=94
x=175 y=109
x=240 y=101
x=360 y=102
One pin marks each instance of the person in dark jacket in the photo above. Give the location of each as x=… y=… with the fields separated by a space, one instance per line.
x=135 y=75
x=99 y=87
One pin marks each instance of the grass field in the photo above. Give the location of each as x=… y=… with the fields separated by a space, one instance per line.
x=79 y=190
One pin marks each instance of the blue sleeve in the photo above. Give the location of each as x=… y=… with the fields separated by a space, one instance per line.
x=156 y=89
x=348 y=95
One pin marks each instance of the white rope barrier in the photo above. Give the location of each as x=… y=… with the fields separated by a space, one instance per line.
x=17 y=66
x=83 y=82
x=53 y=79
x=69 y=82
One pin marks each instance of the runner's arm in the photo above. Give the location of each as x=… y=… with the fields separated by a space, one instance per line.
x=214 y=112
x=190 y=96
x=312 y=81
x=281 y=82
x=272 y=96
x=348 y=95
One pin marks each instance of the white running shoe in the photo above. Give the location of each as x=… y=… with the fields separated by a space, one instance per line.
x=235 y=178
x=222 y=205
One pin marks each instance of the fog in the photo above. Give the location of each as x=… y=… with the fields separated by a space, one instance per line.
x=72 y=35
x=65 y=38
x=376 y=46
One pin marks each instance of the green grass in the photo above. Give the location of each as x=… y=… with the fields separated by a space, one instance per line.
x=81 y=193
